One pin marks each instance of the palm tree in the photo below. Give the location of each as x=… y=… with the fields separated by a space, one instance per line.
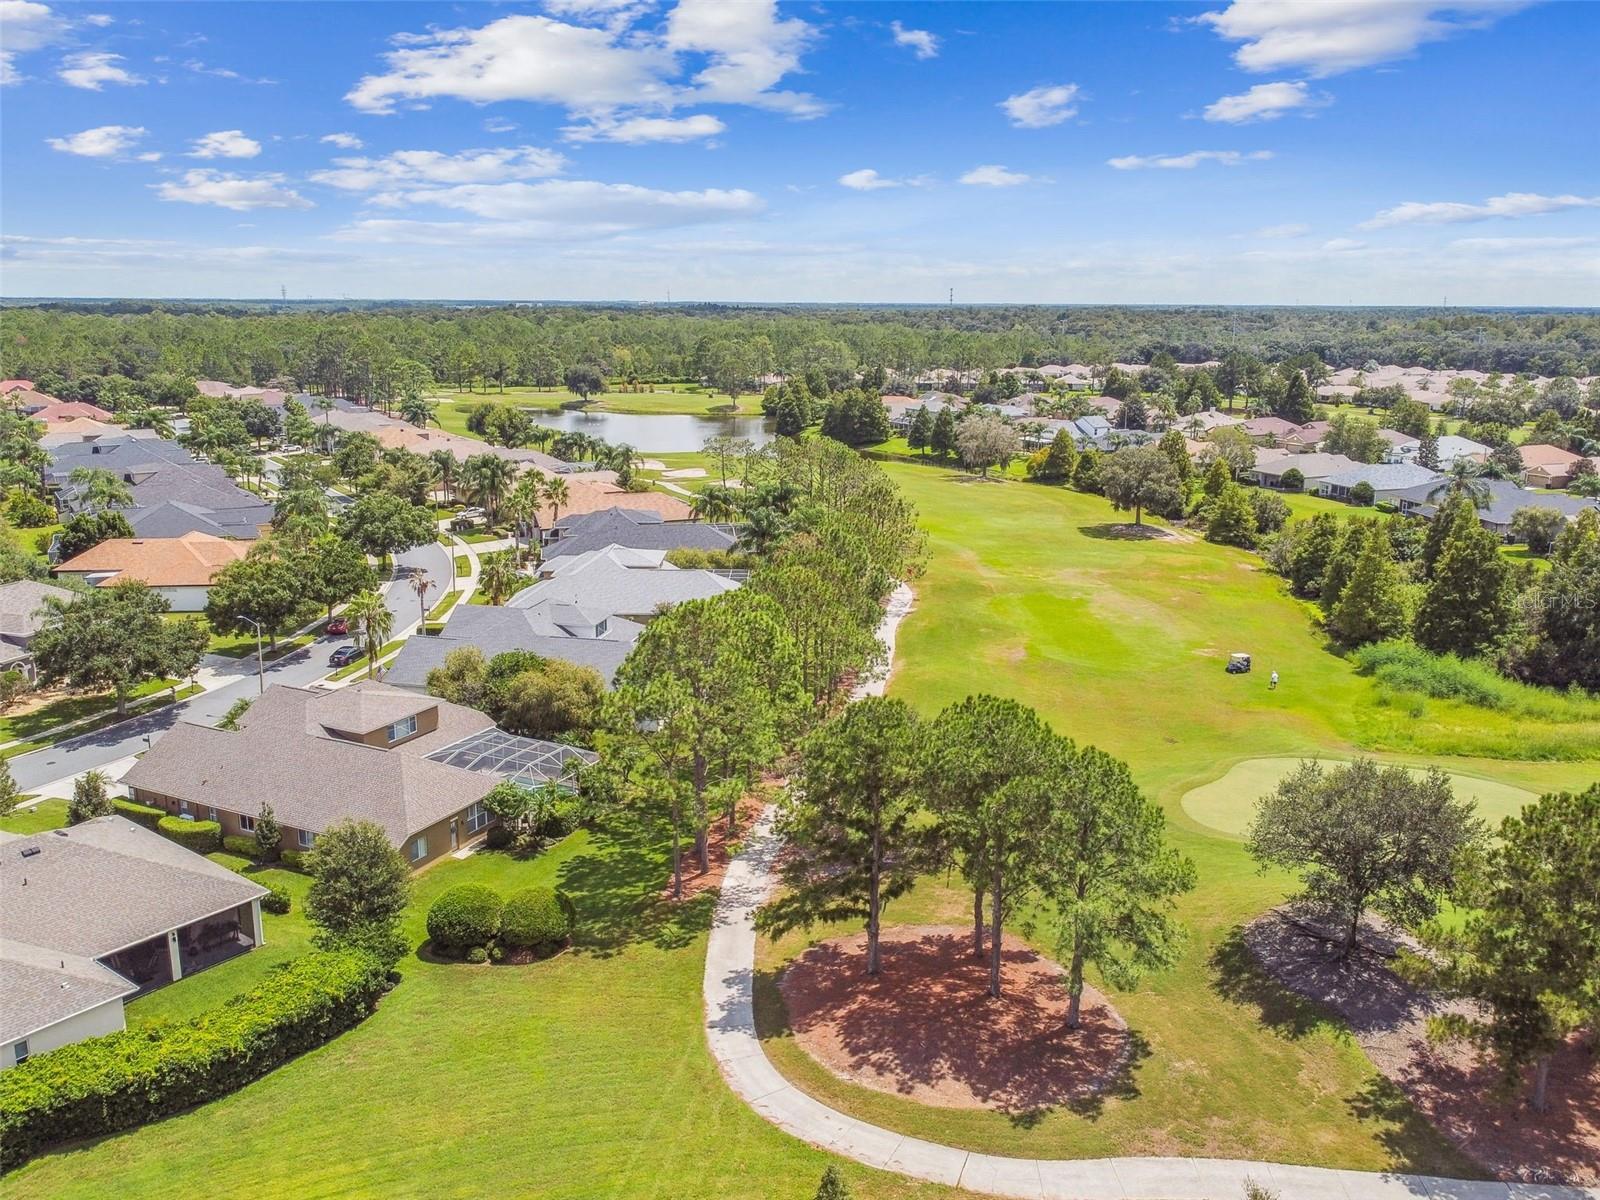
x=153 y=419
x=446 y=464
x=714 y=503
x=1465 y=478
x=497 y=575
x=324 y=405
x=420 y=585
x=98 y=488
x=487 y=477
x=371 y=615
x=764 y=527
x=525 y=501
x=556 y=493
x=417 y=409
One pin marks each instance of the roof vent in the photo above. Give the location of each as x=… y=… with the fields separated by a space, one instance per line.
x=29 y=851
x=59 y=832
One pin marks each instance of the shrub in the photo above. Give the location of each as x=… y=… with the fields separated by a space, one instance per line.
x=1362 y=494
x=1406 y=666
x=477 y=955
x=244 y=847
x=1292 y=480
x=466 y=916
x=295 y=860
x=497 y=952
x=200 y=836
x=498 y=837
x=277 y=899
x=104 y=1084
x=139 y=814
x=536 y=918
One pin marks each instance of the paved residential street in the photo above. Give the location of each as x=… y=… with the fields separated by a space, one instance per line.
x=97 y=749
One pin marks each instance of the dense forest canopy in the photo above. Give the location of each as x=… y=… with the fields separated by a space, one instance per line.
x=344 y=348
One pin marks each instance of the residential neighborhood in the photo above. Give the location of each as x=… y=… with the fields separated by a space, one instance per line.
x=742 y=600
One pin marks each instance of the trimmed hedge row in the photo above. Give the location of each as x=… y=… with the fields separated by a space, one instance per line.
x=140 y=814
x=202 y=837
x=243 y=846
x=124 y=1079
x=277 y=900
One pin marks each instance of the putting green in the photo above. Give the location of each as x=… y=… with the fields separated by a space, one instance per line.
x=1229 y=803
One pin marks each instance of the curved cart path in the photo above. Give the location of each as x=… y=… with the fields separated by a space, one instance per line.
x=731 y=1032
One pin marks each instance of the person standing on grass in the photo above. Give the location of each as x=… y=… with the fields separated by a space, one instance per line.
x=1272 y=686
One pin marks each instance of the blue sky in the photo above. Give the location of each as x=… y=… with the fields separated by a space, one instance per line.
x=1258 y=151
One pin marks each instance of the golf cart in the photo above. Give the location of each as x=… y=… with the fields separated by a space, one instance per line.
x=1238 y=664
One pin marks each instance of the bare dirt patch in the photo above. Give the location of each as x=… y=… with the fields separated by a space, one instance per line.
x=926 y=1028
x=720 y=849
x=1451 y=1085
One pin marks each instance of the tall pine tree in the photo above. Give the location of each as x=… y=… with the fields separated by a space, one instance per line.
x=1370 y=608
x=1467 y=604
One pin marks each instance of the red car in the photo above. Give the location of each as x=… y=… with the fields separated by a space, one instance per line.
x=338 y=626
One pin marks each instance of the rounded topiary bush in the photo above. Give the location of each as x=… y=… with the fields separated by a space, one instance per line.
x=536 y=918
x=277 y=899
x=467 y=915
x=477 y=955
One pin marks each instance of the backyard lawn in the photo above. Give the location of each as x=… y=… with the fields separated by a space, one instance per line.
x=43 y=816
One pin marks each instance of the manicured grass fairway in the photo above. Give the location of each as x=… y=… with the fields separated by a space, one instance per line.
x=1034 y=593
x=1228 y=804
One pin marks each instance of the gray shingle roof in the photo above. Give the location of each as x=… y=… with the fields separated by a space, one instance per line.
x=39 y=987
x=1503 y=501
x=636 y=529
x=282 y=756
x=1383 y=477
x=21 y=605
x=173 y=494
x=106 y=884
x=600 y=582
x=497 y=630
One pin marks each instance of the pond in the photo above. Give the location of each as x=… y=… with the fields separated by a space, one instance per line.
x=657 y=433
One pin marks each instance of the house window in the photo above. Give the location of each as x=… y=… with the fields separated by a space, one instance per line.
x=306 y=838
x=22 y=1051
x=600 y=629
x=403 y=728
x=477 y=818
x=248 y=824
x=419 y=847
x=211 y=814
x=183 y=810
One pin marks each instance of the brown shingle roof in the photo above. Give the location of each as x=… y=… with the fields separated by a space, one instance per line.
x=188 y=561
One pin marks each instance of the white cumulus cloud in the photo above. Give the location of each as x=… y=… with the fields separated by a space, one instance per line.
x=225 y=143
x=1264 y=102
x=1327 y=37
x=868 y=180
x=919 y=41
x=1512 y=204
x=637 y=131
x=103 y=141
x=27 y=26
x=1187 y=162
x=241 y=193
x=1041 y=107
x=993 y=175
x=345 y=141
x=92 y=70
x=408 y=168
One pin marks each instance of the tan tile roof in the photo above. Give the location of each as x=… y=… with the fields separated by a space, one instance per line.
x=586 y=497
x=1546 y=456
x=188 y=561
x=67 y=410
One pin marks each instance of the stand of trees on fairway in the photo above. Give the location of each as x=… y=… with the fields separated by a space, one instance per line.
x=715 y=690
x=1528 y=951
x=148 y=350
x=1032 y=822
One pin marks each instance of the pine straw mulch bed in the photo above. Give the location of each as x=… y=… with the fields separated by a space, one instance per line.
x=1450 y=1084
x=720 y=847
x=926 y=1028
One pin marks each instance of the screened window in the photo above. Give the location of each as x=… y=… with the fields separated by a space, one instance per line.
x=403 y=728
x=477 y=818
x=419 y=847
x=306 y=839
x=248 y=824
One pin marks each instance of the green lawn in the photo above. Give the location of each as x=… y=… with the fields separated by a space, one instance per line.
x=29 y=725
x=585 y=1075
x=1037 y=594
x=43 y=816
x=360 y=664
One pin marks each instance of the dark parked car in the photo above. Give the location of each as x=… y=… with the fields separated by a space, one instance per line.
x=338 y=626
x=344 y=656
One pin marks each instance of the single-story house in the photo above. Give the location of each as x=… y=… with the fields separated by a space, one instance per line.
x=1041 y=431
x=1452 y=447
x=596 y=495
x=1547 y=466
x=179 y=568
x=1273 y=464
x=1268 y=429
x=1305 y=438
x=636 y=529
x=1198 y=424
x=100 y=912
x=7 y=386
x=173 y=494
x=416 y=765
x=216 y=389
x=621 y=582
x=575 y=633
x=1401 y=447
x=21 y=615
x=1500 y=501
x=70 y=410
x=1387 y=480
x=82 y=429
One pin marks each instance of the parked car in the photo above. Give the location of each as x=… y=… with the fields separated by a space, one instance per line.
x=344 y=656
x=338 y=627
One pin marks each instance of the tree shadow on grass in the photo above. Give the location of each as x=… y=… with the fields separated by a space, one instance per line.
x=1112 y=531
x=615 y=887
x=1408 y=1136
x=1238 y=976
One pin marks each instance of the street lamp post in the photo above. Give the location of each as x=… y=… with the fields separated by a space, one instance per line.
x=261 y=671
